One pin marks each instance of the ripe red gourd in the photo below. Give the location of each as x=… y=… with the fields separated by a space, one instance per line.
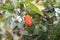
x=1 y=15
x=28 y=20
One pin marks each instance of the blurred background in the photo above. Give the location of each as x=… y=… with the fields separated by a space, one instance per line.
x=29 y=19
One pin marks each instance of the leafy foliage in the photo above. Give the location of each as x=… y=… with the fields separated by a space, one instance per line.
x=45 y=23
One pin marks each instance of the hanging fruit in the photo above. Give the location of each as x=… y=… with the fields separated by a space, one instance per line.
x=1 y=15
x=28 y=20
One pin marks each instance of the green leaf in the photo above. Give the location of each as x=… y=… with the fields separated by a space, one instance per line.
x=23 y=2
x=27 y=1
x=44 y=28
x=25 y=32
x=35 y=9
x=36 y=30
x=7 y=14
x=1 y=32
x=2 y=19
x=8 y=7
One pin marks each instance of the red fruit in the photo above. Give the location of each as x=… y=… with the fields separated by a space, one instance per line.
x=28 y=20
x=1 y=15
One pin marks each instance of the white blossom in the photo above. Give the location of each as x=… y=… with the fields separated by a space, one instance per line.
x=57 y=10
x=19 y=18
